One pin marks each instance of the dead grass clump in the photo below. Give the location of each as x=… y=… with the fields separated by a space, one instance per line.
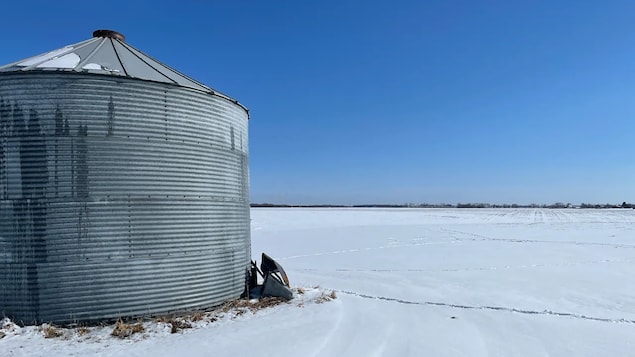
x=266 y=302
x=164 y=319
x=240 y=306
x=197 y=316
x=324 y=297
x=234 y=305
x=83 y=330
x=2 y=334
x=300 y=291
x=51 y=331
x=178 y=324
x=124 y=330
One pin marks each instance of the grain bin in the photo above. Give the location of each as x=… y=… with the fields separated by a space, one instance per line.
x=123 y=187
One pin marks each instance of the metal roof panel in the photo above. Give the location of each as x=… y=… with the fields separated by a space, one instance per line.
x=107 y=54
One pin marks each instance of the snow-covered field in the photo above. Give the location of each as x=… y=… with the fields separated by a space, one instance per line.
x=416 y=282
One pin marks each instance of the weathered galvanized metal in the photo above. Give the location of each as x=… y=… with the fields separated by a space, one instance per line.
x=123 y=187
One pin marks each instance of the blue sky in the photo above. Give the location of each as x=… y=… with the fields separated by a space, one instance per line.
x=393 y=102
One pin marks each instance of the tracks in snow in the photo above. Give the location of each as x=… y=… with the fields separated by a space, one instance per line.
x=487 y=307
x=457 y=236
x=480 y=237
x=551 y=216
x=490 y=268
x=355 y=250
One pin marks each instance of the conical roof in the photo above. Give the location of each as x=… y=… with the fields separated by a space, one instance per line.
x=107 y=53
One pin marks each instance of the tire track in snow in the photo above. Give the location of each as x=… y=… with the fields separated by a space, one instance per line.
x=471 y=237
x=492 y=268
x=355 y=250
x=480 y=237
x=487 y=307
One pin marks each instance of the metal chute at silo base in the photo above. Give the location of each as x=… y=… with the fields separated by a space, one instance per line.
x=275 y=282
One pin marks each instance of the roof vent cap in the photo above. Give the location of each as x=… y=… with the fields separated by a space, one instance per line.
x=109 y=34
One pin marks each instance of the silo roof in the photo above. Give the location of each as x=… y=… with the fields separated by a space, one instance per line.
x=107 y=53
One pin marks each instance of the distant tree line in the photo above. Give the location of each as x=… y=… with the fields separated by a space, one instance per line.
x=458 y=205
x=607 y=205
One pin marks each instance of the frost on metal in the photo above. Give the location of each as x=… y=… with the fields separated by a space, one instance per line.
x=119 y=196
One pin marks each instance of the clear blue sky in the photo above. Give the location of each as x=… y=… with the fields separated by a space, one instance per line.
x=395 y=101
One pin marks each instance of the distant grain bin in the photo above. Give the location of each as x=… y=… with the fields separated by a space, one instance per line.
x=123 y=187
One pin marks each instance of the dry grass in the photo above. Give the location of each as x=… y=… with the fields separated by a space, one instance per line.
x=234 y=308
x=241 y=306
x=266 y=302
x=197 y=316
x=164 y=319
x=124 y=330
x=50 y=331
x=83 y=330
x=176 y=323
x=324 y=297
x=230 y=310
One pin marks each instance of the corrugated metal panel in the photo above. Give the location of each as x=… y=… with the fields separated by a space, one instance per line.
x=119 y=197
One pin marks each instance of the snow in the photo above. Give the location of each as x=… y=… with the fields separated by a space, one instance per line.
x=44 y=57
x=67 y=61
x=410 y=282
x=92 y=66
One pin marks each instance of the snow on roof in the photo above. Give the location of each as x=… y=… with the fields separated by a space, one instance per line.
x=106 y=53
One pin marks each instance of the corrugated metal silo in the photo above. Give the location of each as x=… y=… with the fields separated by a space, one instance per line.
x=123 y=187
